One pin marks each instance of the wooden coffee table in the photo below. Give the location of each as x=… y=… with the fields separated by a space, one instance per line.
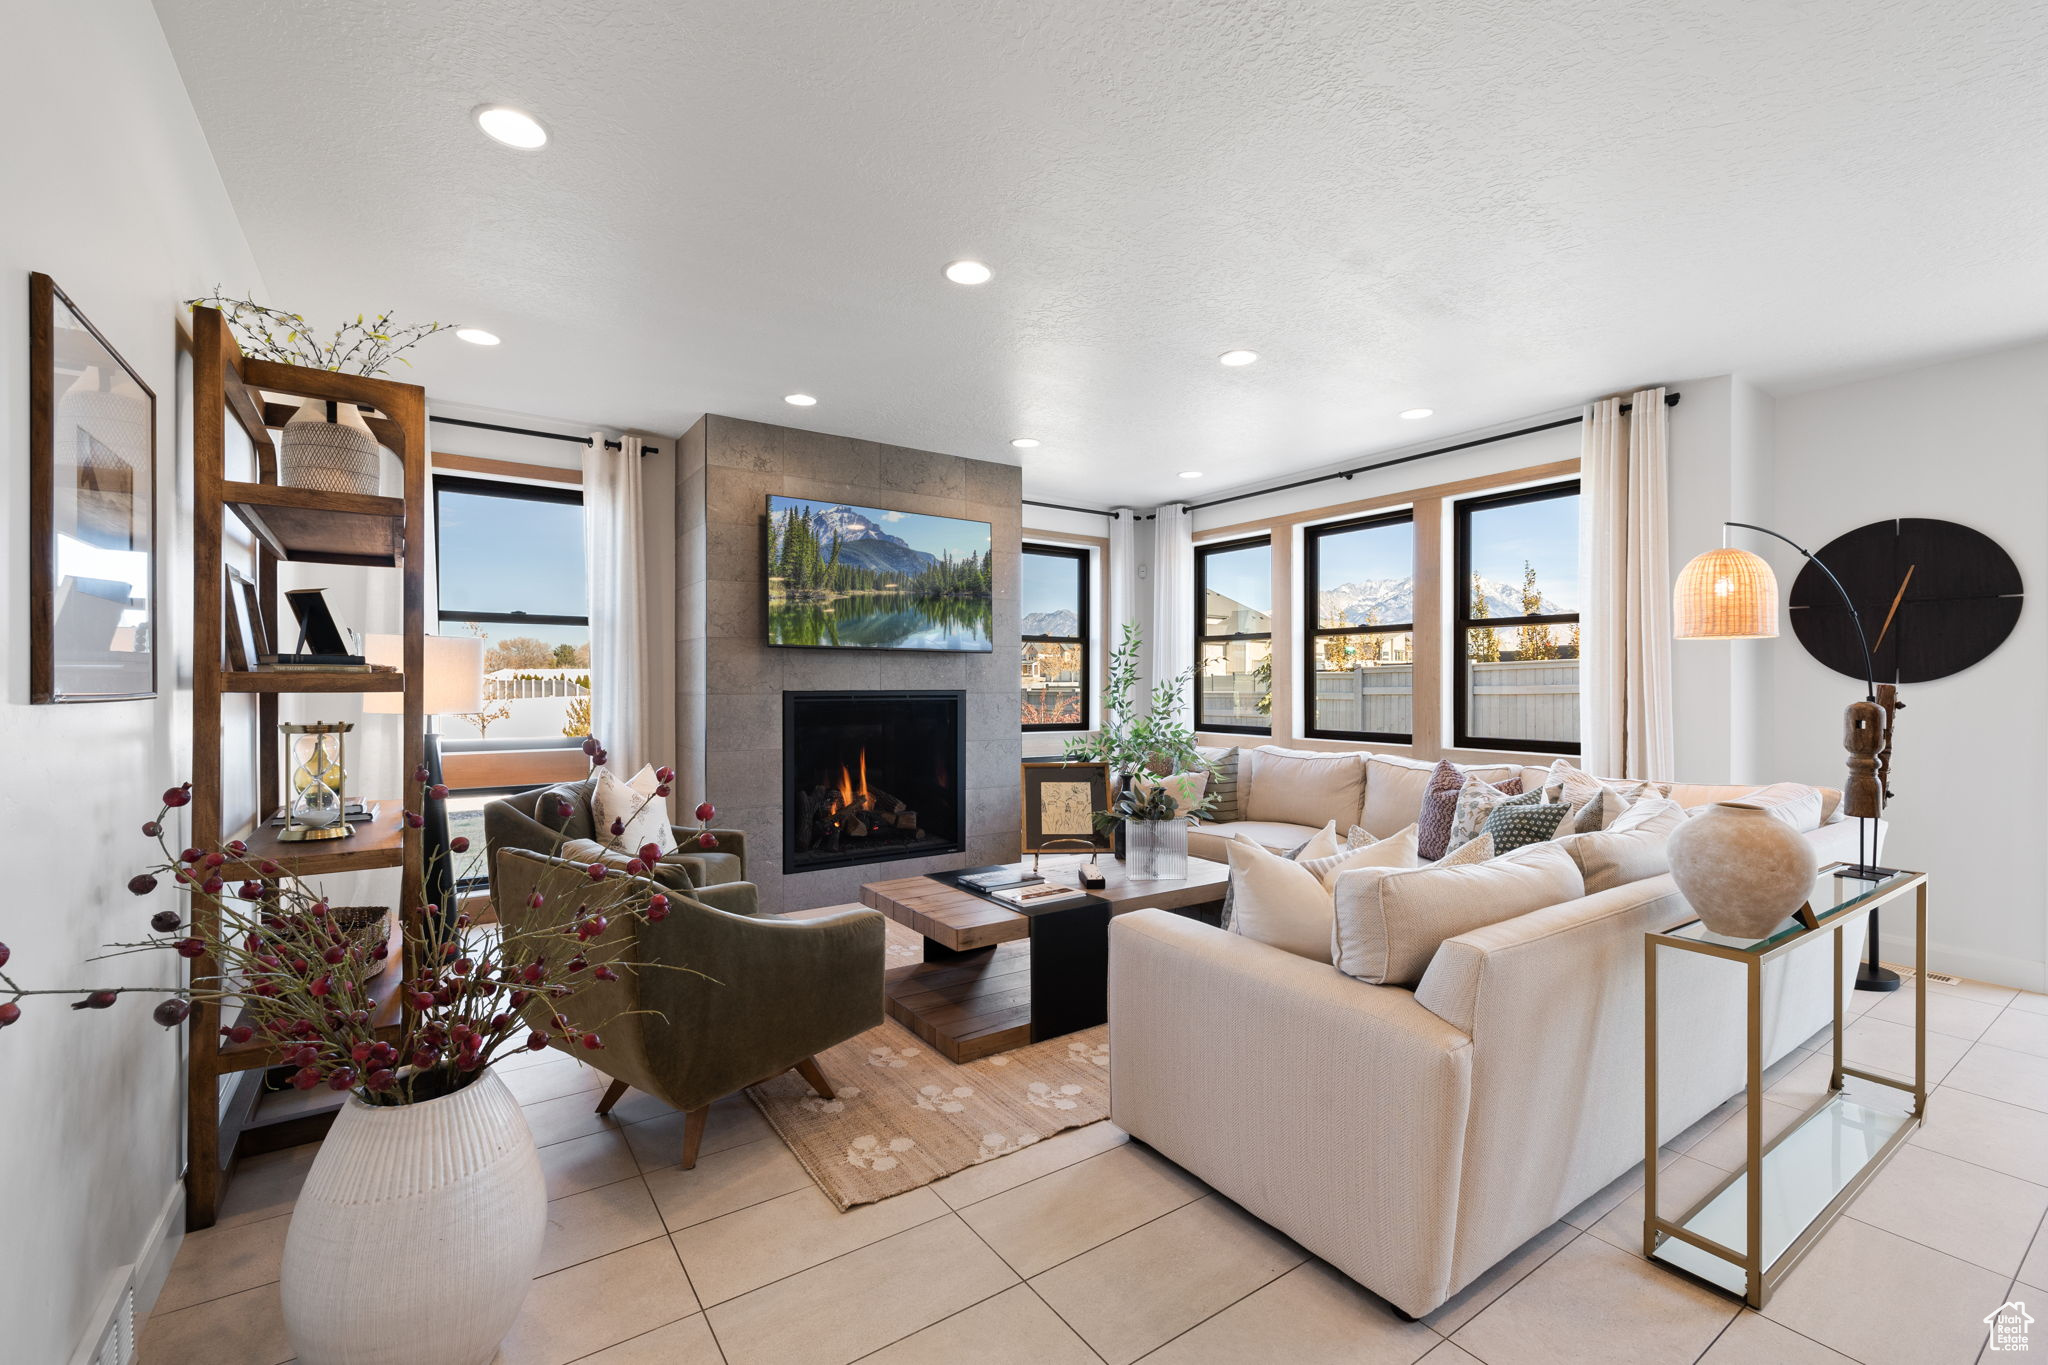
x=994 y=978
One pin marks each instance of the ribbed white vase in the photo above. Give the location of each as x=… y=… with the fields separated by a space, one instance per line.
x=417 y=1234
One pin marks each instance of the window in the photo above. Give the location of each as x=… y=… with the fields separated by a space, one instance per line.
x=1054 y=681
x=509 y=567
x=1360 y=629
x=1516 y=648
x=1234 y=636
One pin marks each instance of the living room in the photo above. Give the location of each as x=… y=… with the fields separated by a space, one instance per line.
x=819 y=683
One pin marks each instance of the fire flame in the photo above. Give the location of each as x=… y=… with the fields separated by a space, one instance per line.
x=848 y=791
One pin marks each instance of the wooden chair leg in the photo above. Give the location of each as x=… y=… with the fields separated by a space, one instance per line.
x=693 y=1134
x=612 y=1095
x=813 y=1077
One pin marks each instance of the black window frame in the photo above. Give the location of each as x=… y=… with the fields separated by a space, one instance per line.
x=1201 y=604
x=1313 y=633
x=496 y=488
x=1085 y=582
x=1463 y=622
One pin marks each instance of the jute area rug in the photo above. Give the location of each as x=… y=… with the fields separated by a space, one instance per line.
x=904 y=1116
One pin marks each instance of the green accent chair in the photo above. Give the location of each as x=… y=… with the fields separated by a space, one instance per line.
x=755 y=995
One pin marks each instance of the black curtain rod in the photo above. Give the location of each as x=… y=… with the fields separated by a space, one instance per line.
x=529 y=431
x=1670 y=401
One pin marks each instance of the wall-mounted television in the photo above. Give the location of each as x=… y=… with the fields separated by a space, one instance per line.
x=845 y=577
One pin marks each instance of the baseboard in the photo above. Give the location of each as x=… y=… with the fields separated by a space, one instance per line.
x=153 y=1266
x=116 y=1327
x=1994 y=968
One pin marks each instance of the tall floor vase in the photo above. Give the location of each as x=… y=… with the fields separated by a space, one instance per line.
x=417 y=1233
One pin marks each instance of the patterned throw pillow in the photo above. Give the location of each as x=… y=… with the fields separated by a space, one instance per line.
x=1476 y=800
x=1600 y=812
x=1516 y=826
x=1439 y=806
x=1473 y=851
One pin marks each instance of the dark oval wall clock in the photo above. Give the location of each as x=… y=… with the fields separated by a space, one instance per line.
x=1935 y=596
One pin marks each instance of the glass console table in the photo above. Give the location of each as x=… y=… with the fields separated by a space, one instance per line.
x=1749 y=1232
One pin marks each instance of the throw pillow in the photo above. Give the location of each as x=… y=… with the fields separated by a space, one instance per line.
x=1298 y=788
x=1322 y=844
x=1388 y=924
x=1396 y=850
x=1439 y=805
x=634 y=803
x=1565 y=783
x=1394 y=788
x=1473 y=851
x=1601 y=811
x=1516 y=826
x=1222 y=783
x=1278 y=901
x=1632 y=850
x=1797 y=804
x=1477 y=800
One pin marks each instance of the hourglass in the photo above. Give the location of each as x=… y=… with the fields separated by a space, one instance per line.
x=316 y=799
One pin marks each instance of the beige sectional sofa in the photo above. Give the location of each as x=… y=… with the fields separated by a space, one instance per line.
x=1413 y=1138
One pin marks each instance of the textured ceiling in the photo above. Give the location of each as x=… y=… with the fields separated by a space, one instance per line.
x=1489 y=209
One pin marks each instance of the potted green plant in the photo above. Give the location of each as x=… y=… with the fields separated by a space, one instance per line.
x=1139 y=737
x=427 y=1197
x=1153 y=815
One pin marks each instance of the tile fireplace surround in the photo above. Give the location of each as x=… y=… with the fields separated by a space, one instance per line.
x=730 y=682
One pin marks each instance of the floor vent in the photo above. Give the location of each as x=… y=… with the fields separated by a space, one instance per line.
x=1945 y=979
x=115 y=1342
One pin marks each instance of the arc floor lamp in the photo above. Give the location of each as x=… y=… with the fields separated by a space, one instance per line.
x=1731 y=594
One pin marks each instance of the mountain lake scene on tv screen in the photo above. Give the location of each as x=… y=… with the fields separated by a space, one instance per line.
x=866 y=578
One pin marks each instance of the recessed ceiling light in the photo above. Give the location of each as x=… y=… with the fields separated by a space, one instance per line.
x=799 y=400
x=1191 y=473
x=969 y=272
x=1238 y=357
x=1417 y=414
x=1025 y=443
x=513 y=127
x=477 y=336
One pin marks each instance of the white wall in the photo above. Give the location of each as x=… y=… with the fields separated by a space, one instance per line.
x=1963 y=441
x=108 y=186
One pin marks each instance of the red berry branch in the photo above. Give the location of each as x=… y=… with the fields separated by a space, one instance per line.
x=268 y=951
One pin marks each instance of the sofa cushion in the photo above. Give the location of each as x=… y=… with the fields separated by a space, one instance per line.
x=1222 y=791
x=671 y=873
x=1299 y=787
x=1211 y=838
x=565 y=809
x=1473 y=851
x=1394 y=788
x=1389 y=923
x=1630 y=850
x=1797 y=804
x=1186 y=789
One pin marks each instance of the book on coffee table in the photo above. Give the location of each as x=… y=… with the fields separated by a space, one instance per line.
x=997 y=878
x=1031 y=897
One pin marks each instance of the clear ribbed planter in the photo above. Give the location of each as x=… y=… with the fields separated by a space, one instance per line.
x=418 y=1232
x=1156 y=850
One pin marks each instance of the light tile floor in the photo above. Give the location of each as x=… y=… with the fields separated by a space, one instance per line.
x=1089 y=1249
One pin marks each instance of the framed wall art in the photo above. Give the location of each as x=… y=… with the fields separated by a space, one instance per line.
x=1060 y=801
x=92 y=511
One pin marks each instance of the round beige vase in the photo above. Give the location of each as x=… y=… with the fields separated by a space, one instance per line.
x=333 y=457
x=418 y=1231
x=1741 y=868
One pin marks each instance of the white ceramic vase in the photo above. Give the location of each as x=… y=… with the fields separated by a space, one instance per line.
x=333 y=457
x=1742 y=869
x=417 y=1234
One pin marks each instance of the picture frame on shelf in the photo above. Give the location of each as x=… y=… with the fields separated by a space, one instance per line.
x=1060 y=801
x=247 y=638
x=92 y=511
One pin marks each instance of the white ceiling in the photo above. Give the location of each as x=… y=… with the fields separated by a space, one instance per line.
x=1489 y=209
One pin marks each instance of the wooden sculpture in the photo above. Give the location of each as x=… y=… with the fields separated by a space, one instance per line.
x=1867 y=735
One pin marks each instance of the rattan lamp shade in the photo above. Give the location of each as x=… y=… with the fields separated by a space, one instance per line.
x=1725 y=595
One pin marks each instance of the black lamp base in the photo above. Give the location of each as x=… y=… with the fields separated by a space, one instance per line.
x=1876 y=979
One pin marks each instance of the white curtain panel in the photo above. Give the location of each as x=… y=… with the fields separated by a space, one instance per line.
x=1172 y=645
x=1626 y=727
x=1122 y=573
x=620 y=703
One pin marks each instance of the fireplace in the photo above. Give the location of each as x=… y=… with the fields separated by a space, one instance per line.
x=871 y=776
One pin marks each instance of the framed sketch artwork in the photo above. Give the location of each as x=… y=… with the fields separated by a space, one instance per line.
x=1060 y=801
x=92 y=511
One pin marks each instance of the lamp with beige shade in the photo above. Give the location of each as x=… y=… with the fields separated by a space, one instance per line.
x=454 y=686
